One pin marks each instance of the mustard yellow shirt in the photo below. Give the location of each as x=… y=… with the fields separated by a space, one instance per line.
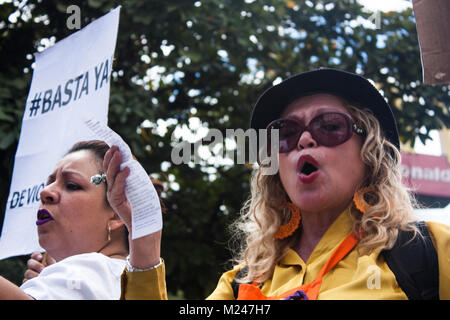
x=354 y=277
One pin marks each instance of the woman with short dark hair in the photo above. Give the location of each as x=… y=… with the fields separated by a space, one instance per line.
x=79 y=230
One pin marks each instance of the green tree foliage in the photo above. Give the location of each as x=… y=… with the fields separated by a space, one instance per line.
x=13 y=268
x=181 y=60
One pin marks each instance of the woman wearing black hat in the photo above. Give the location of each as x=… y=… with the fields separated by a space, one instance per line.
x=335 y=222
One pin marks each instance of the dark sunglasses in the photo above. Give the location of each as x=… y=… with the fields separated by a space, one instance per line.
x=327 y=129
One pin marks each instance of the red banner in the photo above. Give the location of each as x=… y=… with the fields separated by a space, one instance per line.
x=425 y=174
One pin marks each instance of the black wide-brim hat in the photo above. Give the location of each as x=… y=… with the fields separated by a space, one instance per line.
x=355 y=89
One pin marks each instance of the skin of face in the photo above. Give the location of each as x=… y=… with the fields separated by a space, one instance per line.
x=340 y=168
x=78 y=208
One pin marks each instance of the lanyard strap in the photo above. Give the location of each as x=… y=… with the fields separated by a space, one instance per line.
x=253 y=292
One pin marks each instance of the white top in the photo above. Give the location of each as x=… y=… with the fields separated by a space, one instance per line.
x=87 y=276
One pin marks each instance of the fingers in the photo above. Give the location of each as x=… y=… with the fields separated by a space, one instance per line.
x=114 y=176
x=115 y=180
x=111 y=165
x=34 y=265
x=116 y=191
x=121 y=177
x=29 y=274
x=36 y=256
x=107 y=159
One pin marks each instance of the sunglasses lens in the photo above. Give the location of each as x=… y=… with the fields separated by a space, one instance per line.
x=331 y=129
x=289 y=132
x=328 y=129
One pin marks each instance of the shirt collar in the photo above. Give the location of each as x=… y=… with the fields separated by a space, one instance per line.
x=338 y=230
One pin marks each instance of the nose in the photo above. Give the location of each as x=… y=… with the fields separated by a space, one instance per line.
x=306 y=141
x=49 y=195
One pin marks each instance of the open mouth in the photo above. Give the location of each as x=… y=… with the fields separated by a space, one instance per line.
x=307 y=165
x=43 y=216
x=308 y=168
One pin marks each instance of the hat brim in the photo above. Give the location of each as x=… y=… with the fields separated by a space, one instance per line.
x=352 y=87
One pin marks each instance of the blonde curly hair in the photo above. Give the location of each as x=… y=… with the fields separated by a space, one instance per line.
x=391 y=206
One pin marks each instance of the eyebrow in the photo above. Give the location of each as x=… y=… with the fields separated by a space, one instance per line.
x=65 y=173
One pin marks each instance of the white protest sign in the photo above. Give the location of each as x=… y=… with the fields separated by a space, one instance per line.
x=70 y=79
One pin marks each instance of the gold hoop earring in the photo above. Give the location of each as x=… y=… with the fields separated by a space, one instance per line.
x=289 y=228
x=361 y=203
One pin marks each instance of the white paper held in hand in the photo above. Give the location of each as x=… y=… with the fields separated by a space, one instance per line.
x=146 y=216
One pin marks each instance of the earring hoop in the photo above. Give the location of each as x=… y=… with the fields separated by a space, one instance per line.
x=358 y=198
x=288 y=229
x=109 y=233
